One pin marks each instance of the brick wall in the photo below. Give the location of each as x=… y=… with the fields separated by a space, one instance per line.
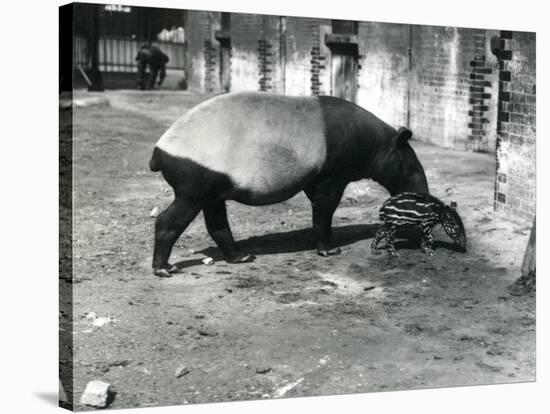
x=515 y=185
x=269 y=53
x=448 y=97
x=444 y=83
x=450 y=87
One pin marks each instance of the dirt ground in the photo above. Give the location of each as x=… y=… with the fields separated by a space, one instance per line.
x=290 y=323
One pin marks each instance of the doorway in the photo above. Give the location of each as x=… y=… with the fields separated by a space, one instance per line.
x=345 y=57
x=224 y=39
x=344 y=71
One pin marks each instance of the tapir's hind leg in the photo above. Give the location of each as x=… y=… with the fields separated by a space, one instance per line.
x=168 y=227
x=324 y=196
x=215 y=217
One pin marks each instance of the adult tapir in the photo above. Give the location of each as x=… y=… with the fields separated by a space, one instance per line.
x=258 y=148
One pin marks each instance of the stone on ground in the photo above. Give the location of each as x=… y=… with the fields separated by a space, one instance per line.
x=96 y=394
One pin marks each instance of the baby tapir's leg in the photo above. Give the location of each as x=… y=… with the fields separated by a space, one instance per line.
x=385 y=232
x=427 y=239
x=391 y=240
x=380 y=234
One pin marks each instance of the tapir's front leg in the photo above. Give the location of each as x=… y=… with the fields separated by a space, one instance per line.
x=325 y=196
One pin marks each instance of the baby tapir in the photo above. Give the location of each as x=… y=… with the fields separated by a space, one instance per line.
x=421 y=210
x=259 y=148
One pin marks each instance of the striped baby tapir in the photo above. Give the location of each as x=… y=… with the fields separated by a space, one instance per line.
x=421 y=210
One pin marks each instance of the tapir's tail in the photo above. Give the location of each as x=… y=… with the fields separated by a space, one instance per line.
x=154 y=162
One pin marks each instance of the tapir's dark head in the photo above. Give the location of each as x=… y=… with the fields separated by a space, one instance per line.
x=397 y=166
x=452 y=223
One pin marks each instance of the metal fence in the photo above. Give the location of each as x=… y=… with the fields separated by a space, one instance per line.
x=117 y=54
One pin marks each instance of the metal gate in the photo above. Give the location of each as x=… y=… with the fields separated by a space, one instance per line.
x=121 y=31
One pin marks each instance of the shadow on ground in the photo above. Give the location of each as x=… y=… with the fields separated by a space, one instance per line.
x=289 y=242
x=302 y=240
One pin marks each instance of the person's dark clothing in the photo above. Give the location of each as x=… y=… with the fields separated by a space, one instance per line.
x=156 y=60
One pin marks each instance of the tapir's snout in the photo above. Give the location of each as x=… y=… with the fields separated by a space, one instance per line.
x=461 y=243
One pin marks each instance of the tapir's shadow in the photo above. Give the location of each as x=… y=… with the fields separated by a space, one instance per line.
x=303 y=240
x=290 y=242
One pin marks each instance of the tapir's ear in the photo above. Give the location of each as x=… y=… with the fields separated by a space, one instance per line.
x=403 y=135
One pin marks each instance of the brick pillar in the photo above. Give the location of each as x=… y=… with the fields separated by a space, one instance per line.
x=480 y=94
x=210 y=65
x=265 y=65
x=504 y=55
x=317 y=65
x=515 y=186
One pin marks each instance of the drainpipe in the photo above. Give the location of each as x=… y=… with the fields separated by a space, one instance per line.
x=282 y=52
x=409 y=77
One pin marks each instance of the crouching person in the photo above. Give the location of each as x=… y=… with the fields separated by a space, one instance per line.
x=153 y=58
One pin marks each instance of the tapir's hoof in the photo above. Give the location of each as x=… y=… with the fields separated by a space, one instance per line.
x=331 y=252
x=429 y=252
x=166 y=271
x=375 y=251
x=241 y=258
x=393 y=253
x=161 y=273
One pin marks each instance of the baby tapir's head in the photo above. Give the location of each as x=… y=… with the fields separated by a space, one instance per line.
x=452 y=223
